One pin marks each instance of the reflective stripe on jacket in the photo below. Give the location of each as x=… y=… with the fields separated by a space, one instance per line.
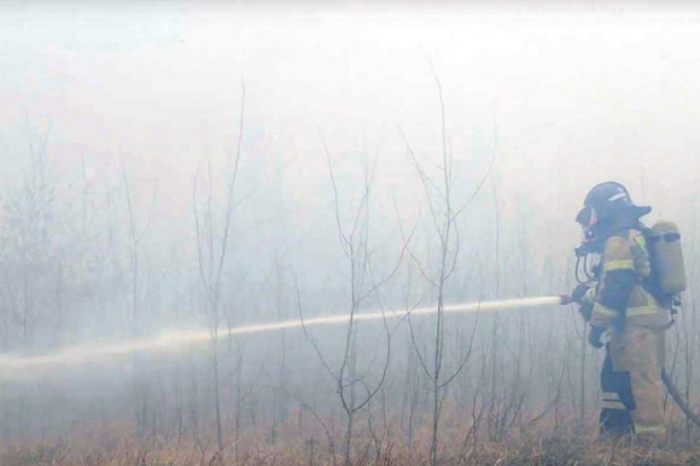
x=624 y=266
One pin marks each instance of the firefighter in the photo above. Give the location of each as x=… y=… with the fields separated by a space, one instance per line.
x=620 y=305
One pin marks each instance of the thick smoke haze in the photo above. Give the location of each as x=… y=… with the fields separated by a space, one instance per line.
x=187 y=165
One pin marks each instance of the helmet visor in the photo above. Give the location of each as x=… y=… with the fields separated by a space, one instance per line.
x=587 y=217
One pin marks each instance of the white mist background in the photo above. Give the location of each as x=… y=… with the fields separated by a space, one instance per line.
x=563 y=98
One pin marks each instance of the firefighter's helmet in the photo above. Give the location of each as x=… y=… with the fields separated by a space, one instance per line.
x=605 y=203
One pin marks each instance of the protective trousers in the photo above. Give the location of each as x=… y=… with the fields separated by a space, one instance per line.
x=618 y=402
x=633 y=393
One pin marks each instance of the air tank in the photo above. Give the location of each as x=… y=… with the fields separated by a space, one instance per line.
x=667 y=255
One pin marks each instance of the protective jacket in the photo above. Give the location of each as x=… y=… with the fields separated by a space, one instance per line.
x=636 y=323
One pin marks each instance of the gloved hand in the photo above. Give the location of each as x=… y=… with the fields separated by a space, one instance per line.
x=594 y=337
x=586 y=310
x=579 y=292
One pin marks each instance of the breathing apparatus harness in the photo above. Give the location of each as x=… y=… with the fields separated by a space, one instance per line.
x=587 y=267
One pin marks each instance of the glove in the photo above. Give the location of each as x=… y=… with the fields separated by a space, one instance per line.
x=579 y=296
x=579 y=292
x=586 y=311
x=594 y=337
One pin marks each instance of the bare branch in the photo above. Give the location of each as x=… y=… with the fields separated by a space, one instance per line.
x=483 y=181
x=306 y=333
x=344 y=242
x=425 y=181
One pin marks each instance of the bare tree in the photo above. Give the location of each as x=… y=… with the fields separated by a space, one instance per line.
x=280 y=391
x=354 y=241
x=493 y=418
x=28 y=267
x=444 y=213
x=213 y=242
x=136 y=236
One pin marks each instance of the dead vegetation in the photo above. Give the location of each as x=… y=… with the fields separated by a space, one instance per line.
x=101 y=443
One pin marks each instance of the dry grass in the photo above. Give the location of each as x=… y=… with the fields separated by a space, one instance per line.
x=111 y=443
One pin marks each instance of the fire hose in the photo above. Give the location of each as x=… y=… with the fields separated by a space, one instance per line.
x=678 y=398
x=21 y=366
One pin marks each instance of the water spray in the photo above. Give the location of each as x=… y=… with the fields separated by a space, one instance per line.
x=173 y=341
x=16 y=366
